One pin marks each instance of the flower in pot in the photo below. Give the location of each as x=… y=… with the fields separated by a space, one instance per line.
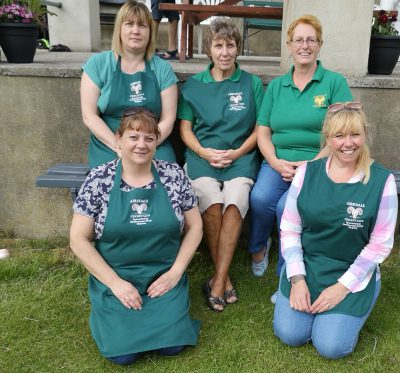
x=382 y=23
x=385 y=43
x=19 y=28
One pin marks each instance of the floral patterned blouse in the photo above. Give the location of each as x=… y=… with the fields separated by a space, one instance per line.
x=94 y=195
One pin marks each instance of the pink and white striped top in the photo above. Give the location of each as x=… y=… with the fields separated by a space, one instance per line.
x=358 y=275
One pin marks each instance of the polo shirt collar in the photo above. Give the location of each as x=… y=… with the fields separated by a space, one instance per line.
x=235 y=77
x=288 y=78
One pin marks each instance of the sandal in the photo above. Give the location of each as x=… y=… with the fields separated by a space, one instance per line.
x=259 y=268
x=212 y=301
x=229 y=294
x=169 y=55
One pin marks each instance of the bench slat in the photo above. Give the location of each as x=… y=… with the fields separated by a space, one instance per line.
x=60 y=181
x=69 y=168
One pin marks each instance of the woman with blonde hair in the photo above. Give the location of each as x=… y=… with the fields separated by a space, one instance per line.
x=337 y=227
x=289 y=131
x=128 y=75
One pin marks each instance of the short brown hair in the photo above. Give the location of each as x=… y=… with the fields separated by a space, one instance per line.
x=138 y=11
x=139 y=119
x=307 y=19
x=222 y=28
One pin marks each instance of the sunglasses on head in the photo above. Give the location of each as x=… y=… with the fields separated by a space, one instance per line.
x=137 y=110
x=352 y=106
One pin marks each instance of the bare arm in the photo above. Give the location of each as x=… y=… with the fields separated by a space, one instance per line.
x=169 y=100
x=190 y=242
x=90 y=93
x=81 y=234
x=214 y=157
x=249 y=144
x=264 y=140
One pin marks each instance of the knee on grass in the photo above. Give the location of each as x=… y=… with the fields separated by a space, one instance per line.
x=333 y=348
x=288 y=337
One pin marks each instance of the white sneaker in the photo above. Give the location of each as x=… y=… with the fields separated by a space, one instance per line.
x=274 y=297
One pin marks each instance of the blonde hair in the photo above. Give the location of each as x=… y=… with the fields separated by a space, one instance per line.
x=141 y=119
x=133 y=10
x=222 y=28
x=307 y=19
x=348 y=121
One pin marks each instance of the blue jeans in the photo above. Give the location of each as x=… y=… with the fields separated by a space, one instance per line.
x=267 y=201
x=334 y=335
x=131 y=358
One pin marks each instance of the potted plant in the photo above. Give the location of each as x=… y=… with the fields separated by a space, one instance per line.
x=19 y=28
x=384 y=48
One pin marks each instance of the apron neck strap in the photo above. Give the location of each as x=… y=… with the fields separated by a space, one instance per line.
x=146 y=64
x=118 y=174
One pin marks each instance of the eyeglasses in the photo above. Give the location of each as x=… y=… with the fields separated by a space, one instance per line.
x=352 y=106
x=138 y=109
x=311 y=42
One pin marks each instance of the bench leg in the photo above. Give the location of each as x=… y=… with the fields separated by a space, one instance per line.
x=182 y=52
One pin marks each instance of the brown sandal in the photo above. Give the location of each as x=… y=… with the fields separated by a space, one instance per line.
x=211 y=300
x=231 y=294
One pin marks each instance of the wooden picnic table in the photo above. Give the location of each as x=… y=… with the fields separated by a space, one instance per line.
x=194 y=14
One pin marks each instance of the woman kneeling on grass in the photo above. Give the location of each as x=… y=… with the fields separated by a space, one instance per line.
x=135 y=208
x=337 y=226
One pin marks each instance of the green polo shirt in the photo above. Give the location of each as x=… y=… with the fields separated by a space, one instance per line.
x=295 y=116
x=186 y=112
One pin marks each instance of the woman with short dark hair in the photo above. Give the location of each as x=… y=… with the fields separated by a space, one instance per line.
x=218 y=110
x=136 y=210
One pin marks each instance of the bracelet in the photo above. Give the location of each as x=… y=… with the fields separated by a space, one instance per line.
x=296 y=278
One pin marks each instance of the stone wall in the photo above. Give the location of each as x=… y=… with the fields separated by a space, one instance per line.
x=41 y=125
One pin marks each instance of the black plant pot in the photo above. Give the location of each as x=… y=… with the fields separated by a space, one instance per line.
x=18 y=41
x=384 y=51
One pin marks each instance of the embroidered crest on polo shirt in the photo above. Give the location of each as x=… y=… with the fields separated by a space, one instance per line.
x=319 y=101
x=235 y=101
x=139 y=207
x=136 y=95
x=354 y=220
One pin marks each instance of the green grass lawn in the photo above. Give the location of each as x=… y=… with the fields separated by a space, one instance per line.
x=44 y=311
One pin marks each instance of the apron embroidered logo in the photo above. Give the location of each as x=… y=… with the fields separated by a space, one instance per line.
x=235 y=100
x=319 y=101
x=139 y=206
x=354 y=211
x=354 y=220
x=137 y=95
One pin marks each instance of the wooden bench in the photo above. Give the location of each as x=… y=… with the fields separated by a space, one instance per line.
x=72 y=176
x=259 y=24
x=194 y=14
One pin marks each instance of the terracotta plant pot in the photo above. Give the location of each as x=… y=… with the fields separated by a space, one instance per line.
x=384 y=53
x=18 y=41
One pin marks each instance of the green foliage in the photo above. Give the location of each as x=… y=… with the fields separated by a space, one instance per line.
x=44 y=310
x=36 y=7
x=382 y=23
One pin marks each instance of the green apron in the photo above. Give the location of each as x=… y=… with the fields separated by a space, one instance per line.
x=141 y=240
x=127 y=90
x=225 y=117
x=335 y=229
